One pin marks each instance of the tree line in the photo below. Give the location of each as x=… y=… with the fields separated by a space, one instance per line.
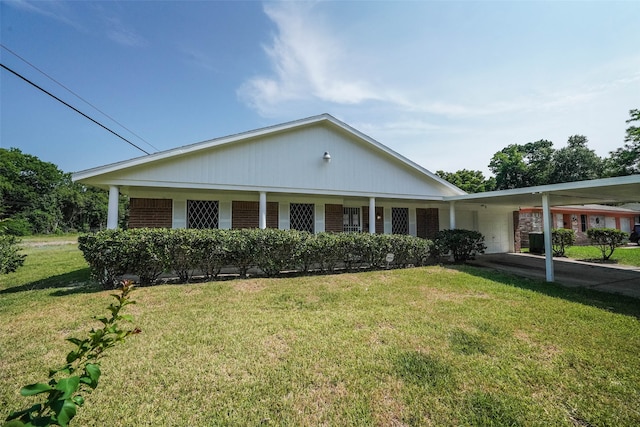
x=37 y=197
x=538 y=163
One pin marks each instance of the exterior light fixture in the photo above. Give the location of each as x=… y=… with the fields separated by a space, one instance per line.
x=326 y=157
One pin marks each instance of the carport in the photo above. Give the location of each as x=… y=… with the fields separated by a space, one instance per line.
x=616 y=190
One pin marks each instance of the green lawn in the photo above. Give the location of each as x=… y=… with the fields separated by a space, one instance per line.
x=426 y=346
x=627 y=255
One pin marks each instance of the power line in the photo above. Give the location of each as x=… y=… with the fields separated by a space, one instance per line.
x=72 y=107
x=78 y=96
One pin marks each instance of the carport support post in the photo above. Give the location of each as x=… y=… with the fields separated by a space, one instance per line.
x=112 y=211
x=372 y=215
x=548 y=247
x=263 y=210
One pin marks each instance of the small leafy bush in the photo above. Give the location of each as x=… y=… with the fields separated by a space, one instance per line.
x=17 y=226
x=63 y=393
x=561 y=239
x=276 y=250
x=107 y=253
x=210 y=251
x=606 y=239
x=462 y=244
x=10 y=259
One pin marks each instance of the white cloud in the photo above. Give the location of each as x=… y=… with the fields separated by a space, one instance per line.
x=120 y=33
x=421 y=103
x=51 y=9
x=307 y=61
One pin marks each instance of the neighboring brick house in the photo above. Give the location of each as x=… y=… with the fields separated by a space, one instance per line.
x=577 y=218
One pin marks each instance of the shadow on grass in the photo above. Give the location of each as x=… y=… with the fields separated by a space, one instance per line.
x=74 y=282
x=615 y=303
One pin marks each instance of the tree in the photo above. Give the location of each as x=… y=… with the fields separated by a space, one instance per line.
x=517 y=166
x=509 y=167
x=626 y=160
x=38 y=197
x=538 y=158
x=25 y=179
x=468 y=180
x=575 y=162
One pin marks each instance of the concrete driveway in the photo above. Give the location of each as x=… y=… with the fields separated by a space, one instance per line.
x=613 y=278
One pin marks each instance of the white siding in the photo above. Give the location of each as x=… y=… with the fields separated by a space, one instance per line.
x=495 y=227
x=290 y=162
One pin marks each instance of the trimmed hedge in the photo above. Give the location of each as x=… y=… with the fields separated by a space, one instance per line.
x=149 y=252
x=462 y=244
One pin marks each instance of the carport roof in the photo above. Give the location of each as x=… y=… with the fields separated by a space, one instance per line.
x=602 y=191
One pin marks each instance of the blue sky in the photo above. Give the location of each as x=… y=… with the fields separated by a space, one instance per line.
x=446 y=84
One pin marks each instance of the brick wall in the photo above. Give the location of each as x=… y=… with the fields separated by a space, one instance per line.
x=379 y=222
x=517 y=236
x=247 y=214
x=333 y=218
x=155 y=213
x=427 y=222
x=529 y=222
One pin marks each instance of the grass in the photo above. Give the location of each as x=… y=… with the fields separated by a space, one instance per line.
x=626 y=255
x=425 y=346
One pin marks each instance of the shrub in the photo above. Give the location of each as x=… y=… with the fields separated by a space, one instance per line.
x=10 y=259
x=463 y=244
x=242 y=249
x=210 y=251
x=17 y=226
x=276 y=250
x=381 y=246
x=107 y=255
x=181 y=253
x=328 y=252
x=562 y=238
x=149 y=252
x=606 y=239
x=305 y=253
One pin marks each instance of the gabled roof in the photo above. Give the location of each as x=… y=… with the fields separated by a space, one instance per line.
x=262 y=132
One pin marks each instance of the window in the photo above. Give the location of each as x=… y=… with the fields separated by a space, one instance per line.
x=583 y=223
x=202 y=213
x=400 y=220
x=301 y=217
x=351 y=220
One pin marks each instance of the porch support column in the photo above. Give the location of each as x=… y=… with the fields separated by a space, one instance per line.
x=548 y=248
x=263 y=210
x=452 y=215
x=372 y=215
x=112 y=211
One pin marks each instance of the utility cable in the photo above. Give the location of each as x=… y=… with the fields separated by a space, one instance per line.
x=72 y=107
x=79 y=97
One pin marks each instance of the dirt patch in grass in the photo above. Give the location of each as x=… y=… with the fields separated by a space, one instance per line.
x=387 y=406
x=249 y=285
x=436 y=294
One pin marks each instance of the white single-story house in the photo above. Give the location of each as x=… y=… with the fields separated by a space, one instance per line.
x=319 y=174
